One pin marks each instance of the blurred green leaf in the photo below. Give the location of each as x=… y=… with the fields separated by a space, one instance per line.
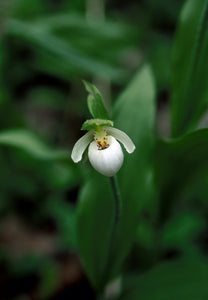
x=177 y=280
x=27 y=10
x=145 y=235
x=2 y=92
x=59 y=53
x=59 y=175
x=4 y=97
x=30 y=143
x=106 y=31
x=190 y=70
x=49 y=281
x=159 y=58
x=95 y=102
x=181 y=231
x=75 y=5
x=187 y=154
x=65 y=216
x=93 y=36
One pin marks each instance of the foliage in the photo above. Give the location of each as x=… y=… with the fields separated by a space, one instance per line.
x=55 y=213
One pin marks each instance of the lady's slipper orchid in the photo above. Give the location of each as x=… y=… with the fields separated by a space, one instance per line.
x=105 y=153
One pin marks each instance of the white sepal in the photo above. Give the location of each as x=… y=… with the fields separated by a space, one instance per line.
x=106 y=161
x=80 y=146
x=121 y=137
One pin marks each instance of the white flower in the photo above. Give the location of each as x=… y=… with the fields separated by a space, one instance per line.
x=105 y=153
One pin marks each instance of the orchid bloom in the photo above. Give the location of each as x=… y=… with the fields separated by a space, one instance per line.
x=105 y=153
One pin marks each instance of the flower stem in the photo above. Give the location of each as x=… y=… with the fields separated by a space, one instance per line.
x=117 y=197
x=117 y=215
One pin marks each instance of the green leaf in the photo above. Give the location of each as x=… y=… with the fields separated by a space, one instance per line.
x=190 y=70
x=134 y=114
x=187 y=154
x=177 y=280
x=59 y=55
x=59 y=174
x=95 y=102
x=181 y=231
x=30 y=143
x=95 y=215
x=94 y=123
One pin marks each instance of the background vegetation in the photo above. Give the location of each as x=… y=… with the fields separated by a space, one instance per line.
x=149 y=60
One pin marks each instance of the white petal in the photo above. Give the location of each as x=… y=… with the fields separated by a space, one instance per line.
x=80 y=146
x=106 y=161
x=121 y=137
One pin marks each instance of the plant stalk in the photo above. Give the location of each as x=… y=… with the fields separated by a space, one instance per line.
x=117 y=215
x=118 y=203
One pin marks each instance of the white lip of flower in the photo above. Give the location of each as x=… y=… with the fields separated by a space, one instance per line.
x=105 y=153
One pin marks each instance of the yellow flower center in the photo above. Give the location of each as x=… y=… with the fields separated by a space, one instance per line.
x=100 y=136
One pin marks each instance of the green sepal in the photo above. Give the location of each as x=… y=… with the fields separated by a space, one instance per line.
x=95 y=102
x=93 y=124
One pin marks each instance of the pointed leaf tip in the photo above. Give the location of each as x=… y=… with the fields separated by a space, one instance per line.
x=95 y=102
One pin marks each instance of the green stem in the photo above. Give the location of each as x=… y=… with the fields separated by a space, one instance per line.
x=117 y=198
x=117 y=215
